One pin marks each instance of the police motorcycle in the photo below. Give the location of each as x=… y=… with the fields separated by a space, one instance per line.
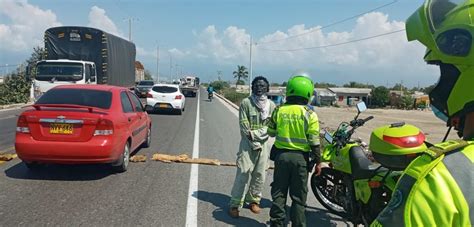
x=357 y=184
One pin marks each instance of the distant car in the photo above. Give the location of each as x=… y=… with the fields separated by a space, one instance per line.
x=143 y=87
x=76 y=124
x=166 y=97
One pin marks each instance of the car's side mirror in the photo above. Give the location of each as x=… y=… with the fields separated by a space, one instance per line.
x=361 y=107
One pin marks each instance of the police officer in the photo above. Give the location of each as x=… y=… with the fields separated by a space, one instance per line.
x=437 y=188
x=296 y=131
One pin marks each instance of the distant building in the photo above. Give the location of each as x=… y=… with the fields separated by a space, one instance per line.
x=351 y=96
x=139 y=71
x=323 y=97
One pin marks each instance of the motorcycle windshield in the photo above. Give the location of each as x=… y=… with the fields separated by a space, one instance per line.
x=439 y=10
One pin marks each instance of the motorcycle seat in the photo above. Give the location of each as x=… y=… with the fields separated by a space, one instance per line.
x=361 y=166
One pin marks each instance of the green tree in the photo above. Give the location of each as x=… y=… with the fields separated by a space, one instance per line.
x=15 y=89
x=354 y=84
x=241 y=73
x=324 y=85
x=241 y=82
x=407 y=102
x=284 y=84
x=380 y=96
x=148 y=75
x=399 y=87
x=38 y=54
x=428 y=89
x=219 y=85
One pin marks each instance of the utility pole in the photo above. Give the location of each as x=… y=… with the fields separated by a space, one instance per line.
x=130 y=28
x=158 y=64
x=250 y=79
x=171 y=68
x=176 y=69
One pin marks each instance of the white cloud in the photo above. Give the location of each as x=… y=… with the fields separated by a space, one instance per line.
x=383 y=54
x=99 y=19
x=26 y=27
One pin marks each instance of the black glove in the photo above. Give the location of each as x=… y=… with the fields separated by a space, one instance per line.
x=314 y=158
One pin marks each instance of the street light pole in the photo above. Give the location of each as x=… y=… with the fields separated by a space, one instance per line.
x=158 y=64
x=250 y=80
x=171 y=68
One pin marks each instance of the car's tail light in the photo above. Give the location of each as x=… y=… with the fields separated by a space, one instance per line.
x=148 y=95
x=178 y=97
x=104 y=128
x=22 y=125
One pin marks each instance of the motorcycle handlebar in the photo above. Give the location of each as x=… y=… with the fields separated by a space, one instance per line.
x=368 y=118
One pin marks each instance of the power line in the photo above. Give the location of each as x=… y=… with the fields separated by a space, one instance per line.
x=336 y=44
x=329 y=25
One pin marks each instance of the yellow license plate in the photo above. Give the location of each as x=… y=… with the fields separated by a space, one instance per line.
x=60 y=128
x=162 y=105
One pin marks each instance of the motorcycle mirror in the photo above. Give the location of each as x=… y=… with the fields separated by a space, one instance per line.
x=361 y=107
x=328 y=137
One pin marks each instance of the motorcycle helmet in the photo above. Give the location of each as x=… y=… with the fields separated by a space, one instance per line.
x=301 y=86
x=395 y=146
x=446 y=28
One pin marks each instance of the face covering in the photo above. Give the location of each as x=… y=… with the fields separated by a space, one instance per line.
x=263 y=105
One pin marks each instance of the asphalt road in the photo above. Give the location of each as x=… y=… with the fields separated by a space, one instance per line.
x=148 y=194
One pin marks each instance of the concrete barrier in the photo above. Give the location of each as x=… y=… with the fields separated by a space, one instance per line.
x=226 y=100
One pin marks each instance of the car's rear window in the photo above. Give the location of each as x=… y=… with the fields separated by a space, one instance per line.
x=83 y=97
x=164 y=89
x=146 y=83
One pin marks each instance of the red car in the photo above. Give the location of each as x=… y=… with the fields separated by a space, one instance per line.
x=78 y=124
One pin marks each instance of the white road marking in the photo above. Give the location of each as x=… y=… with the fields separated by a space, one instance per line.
x=7 y=117
x=192 y=206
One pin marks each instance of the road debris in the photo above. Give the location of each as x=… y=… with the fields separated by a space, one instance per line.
x=169 y=158
x=138 y=158
x=7 y=157
x=184 y=158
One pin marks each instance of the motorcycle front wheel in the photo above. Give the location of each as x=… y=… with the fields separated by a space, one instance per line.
x=330 y=190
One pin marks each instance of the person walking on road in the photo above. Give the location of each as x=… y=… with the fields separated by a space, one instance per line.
x=296 y=130
x=252 y=157
x=436 y=189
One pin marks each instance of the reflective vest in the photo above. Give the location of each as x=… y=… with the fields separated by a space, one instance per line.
x=295 y=127
x=436 y=189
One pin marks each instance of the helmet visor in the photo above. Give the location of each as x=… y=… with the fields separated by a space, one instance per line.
x=439 y=10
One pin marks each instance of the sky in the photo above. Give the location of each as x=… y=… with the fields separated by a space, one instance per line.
x=204 y=37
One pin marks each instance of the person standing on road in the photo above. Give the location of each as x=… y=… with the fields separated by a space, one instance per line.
x=436 y=189
x=252 y=157
x=296 y=130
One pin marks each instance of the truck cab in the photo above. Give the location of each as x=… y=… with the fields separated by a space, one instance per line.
x=50 y=73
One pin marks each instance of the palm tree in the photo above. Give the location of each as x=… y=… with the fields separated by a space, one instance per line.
x=241 y=73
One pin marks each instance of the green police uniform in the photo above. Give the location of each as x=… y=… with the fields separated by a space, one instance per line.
x=295 y=128
x=436 y=189
x=252 y=158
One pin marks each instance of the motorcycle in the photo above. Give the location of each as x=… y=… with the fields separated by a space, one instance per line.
x=353 y=186
x=210 y=96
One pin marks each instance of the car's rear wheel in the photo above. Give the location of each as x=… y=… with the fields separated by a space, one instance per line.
x=122 y=163
x=147 y=142
x=180 y=111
